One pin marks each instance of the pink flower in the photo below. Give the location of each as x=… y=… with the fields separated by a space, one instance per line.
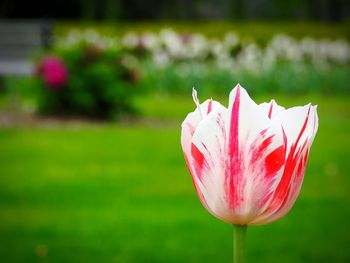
x=247 y=161
x=53 y=72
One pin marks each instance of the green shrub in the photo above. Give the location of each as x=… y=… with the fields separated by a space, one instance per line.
x=99 y=83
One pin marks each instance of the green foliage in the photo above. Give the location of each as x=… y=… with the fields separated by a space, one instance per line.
x=100 y=84
x=286 y=78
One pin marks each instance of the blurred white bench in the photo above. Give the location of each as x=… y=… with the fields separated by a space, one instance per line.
x=19 y=41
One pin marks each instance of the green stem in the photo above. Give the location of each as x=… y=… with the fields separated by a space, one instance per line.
x=239 y=234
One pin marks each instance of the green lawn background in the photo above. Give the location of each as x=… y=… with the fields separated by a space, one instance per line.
x=122 y=193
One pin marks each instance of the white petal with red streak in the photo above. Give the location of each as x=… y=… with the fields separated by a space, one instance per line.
x=255 y=183
x=300 y=125
x=210 y=139
x=188 y=127
x=271 y=109
x=191 y=122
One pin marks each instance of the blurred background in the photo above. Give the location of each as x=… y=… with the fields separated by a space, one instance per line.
x=92 y=95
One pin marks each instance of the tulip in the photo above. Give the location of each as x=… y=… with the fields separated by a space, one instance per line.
x=247 y=161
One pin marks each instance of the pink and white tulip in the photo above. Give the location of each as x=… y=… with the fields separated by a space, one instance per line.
x=247 y=161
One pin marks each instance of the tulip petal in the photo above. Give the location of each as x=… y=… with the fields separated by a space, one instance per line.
x=209 y=152
x=192 y=120
x=253 y=141
x=188 y=127
x=300 y=126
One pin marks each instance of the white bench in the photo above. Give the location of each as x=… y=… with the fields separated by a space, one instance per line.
x=19 y=41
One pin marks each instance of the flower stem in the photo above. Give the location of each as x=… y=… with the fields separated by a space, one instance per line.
x=239 y=234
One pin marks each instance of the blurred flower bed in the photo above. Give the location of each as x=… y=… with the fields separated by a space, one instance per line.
x=174 y=62
x=97 y=75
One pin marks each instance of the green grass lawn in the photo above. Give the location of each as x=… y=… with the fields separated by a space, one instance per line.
x=122 y=193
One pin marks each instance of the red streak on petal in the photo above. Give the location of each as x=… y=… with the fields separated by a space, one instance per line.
x=270 y=111
x=281 y=193
x=233 y=176
x=210 y=106
x=200 y=195
x=274 y=161
x=258 y=150
x=266 y=143
x=198 y=159
x=300 y=168
x=302 y=129
x=263 y=132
